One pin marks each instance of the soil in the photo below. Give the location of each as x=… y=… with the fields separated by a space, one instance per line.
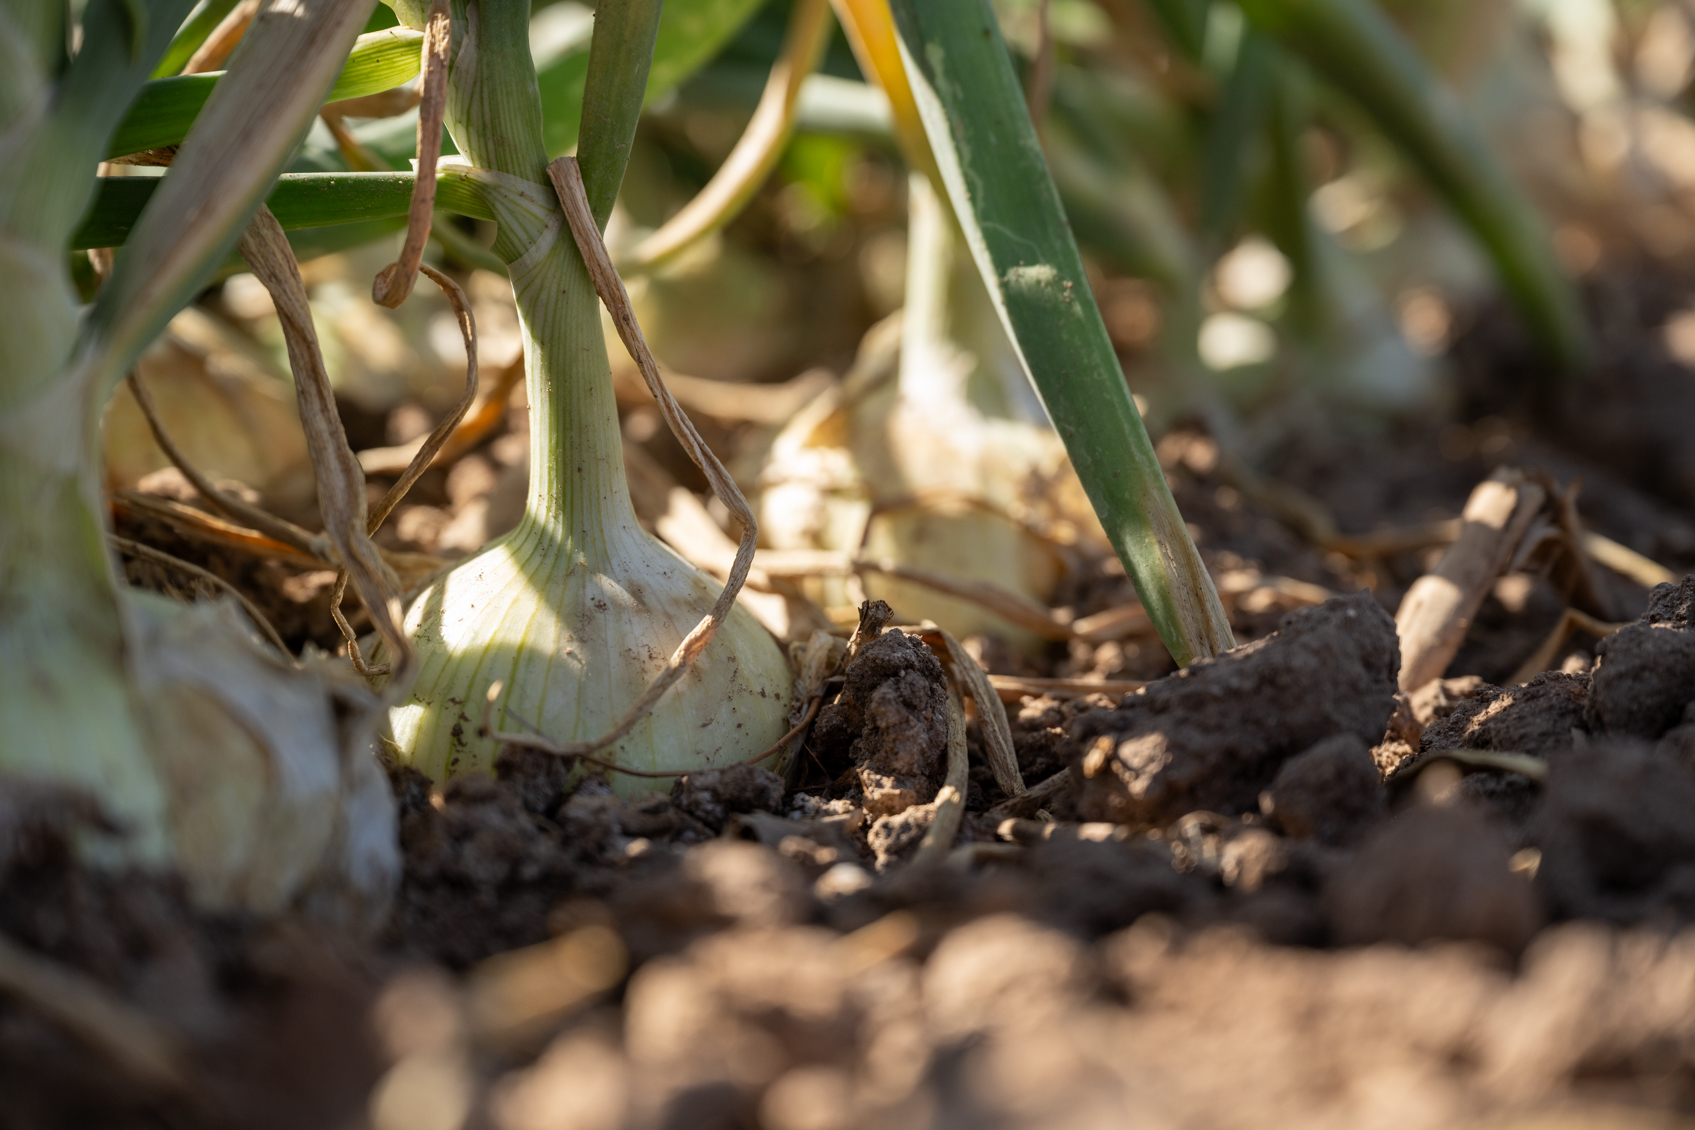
x=1271 y=890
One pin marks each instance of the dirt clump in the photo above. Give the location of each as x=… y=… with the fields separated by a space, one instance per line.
x=1091 y=887
x=1537 y=717
x=1413 y=713
x=1615 y=834
x=1331 y=793
x=1672 y=605
x=1434 y=872
x=1213 y=736
x=1644 y=676
x=749 y=1014
x=263 y=1026
x=1678 y=743
x=885 y=738
x=889 y=724
x=714 y=796
x=475 y=843
x=488 y=858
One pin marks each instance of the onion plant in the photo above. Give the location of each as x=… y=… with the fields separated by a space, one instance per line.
x=205 y=751
x=579 y=609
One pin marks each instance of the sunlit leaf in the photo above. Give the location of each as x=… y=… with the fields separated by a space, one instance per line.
x=974 y=115
x=691 y=32
x=300 y=200
x=166 y=107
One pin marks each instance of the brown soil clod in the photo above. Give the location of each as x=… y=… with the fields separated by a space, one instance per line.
x=1615 y=834
x=1536 y=718
x=1644 y=676
x=1434 y=872
x=1331 y=793
x=1214 y=735
x=890 y=724
x=714 y=796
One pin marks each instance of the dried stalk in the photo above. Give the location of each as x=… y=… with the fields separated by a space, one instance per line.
x=489 y=409
x=1543 y=657
x=358 y=156
x=1040 y=91
x=950 y=800
x=1032 y=799
x=974 y=681
x=266 y=523
x=421 y=462
x=341 y=484
x=1012 y=688
x=260 y=621
x=1626 y=562
x=209 y=528
x=211 y=54
x=1438 y=609
x=431 y=447
x=383 y=104
x=214 y=530
x=1506 y=761
x=395 y=281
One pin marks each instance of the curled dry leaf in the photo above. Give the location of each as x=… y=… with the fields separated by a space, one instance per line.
x=484 y=416
x=396 y=280
x=260 y=620
x=970 y=678
x=260 y=519
x=341 y=484
x=218 y=399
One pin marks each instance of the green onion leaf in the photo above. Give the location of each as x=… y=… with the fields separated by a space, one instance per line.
x=620 y=58
x=991 y=163
x=300 y=200
x=166 y=107
x=690 y=33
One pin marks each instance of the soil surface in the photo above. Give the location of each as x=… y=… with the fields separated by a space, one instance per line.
x=1268 y=890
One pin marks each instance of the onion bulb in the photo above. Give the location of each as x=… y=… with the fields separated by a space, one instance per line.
x=918 y=472
x=576 y=610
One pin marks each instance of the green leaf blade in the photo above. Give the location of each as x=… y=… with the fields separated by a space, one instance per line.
x=201 y=22
x=620 y=59
x=166 y=108
x=974 y=115
x=690 y=33
x=299 y=200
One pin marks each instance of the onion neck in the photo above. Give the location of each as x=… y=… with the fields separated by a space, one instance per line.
x=578 y=495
